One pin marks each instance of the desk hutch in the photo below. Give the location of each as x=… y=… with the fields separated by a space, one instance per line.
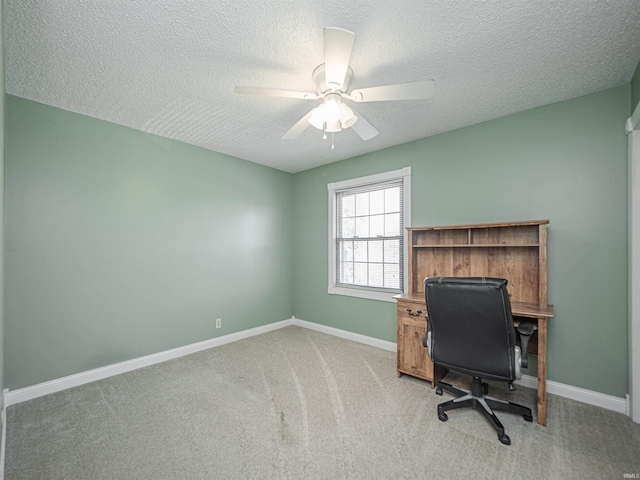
x=516 y=251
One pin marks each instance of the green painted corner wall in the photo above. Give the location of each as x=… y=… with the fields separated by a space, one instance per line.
x=635 y=88
x=121 y=244
x=565 y=162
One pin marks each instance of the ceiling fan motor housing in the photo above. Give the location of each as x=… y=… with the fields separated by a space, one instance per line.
x=321 y=85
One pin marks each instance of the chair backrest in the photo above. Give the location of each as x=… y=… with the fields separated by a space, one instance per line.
x=471 y=326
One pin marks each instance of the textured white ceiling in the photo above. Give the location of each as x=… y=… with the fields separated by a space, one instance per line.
x=168 y=67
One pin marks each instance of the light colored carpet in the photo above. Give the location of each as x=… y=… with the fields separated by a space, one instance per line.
x=298 y=404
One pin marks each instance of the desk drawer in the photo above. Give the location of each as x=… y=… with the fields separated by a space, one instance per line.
x=413 y=358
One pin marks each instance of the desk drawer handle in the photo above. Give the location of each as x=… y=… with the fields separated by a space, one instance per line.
x=417 y=314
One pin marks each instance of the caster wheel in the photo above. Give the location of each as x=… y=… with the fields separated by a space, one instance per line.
x=485 y=388
x=504 y=439
x=443 y=417
x=438 y=391
x=528 y=418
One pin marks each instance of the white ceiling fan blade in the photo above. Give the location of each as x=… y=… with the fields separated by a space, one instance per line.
x=299 y=127
x=403 y=91
x=338 y=44
x=363 y=128
x=275 y=92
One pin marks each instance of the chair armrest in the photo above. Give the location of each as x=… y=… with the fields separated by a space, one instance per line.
x=426 y=341
x=525 y=329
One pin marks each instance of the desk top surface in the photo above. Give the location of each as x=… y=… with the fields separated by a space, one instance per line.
x=519 y=309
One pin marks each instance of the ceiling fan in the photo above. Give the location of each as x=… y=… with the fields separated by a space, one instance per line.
x=332 y=80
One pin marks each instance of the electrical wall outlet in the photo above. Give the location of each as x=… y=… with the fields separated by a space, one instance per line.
x=218 y=322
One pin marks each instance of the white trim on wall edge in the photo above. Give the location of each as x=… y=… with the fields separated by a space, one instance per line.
x=580 y=394
x=583 y=395
x=52 y=386
x=355 y=337
x=590 y=397
x=4 y=432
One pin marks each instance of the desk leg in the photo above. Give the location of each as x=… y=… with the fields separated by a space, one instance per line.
x=542 y=371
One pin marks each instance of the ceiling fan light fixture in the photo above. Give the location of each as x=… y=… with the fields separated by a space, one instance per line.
x=317 y=118
x=334 y=127
x=332 y=109
x=347 y=117
x=333 y=84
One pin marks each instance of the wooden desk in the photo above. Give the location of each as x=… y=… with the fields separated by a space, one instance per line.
x=516 y=251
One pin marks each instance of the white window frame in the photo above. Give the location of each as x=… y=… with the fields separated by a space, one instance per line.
x=364 y=292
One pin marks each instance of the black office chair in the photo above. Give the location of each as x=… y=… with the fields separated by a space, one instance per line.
x=470 y=330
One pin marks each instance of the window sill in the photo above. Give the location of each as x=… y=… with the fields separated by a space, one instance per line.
x=361 y=293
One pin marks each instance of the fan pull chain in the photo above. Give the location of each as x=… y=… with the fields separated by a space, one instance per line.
x=324 y=135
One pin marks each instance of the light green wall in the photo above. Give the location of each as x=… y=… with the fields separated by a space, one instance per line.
x=566 y=162
x=121 y=244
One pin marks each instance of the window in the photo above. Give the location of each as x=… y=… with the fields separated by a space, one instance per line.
x=367 y=220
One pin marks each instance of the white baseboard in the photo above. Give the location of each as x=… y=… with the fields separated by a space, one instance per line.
x=3 y=440
x=355 y=337
x=52 y=386
x=590 y=397
x=580 y=394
